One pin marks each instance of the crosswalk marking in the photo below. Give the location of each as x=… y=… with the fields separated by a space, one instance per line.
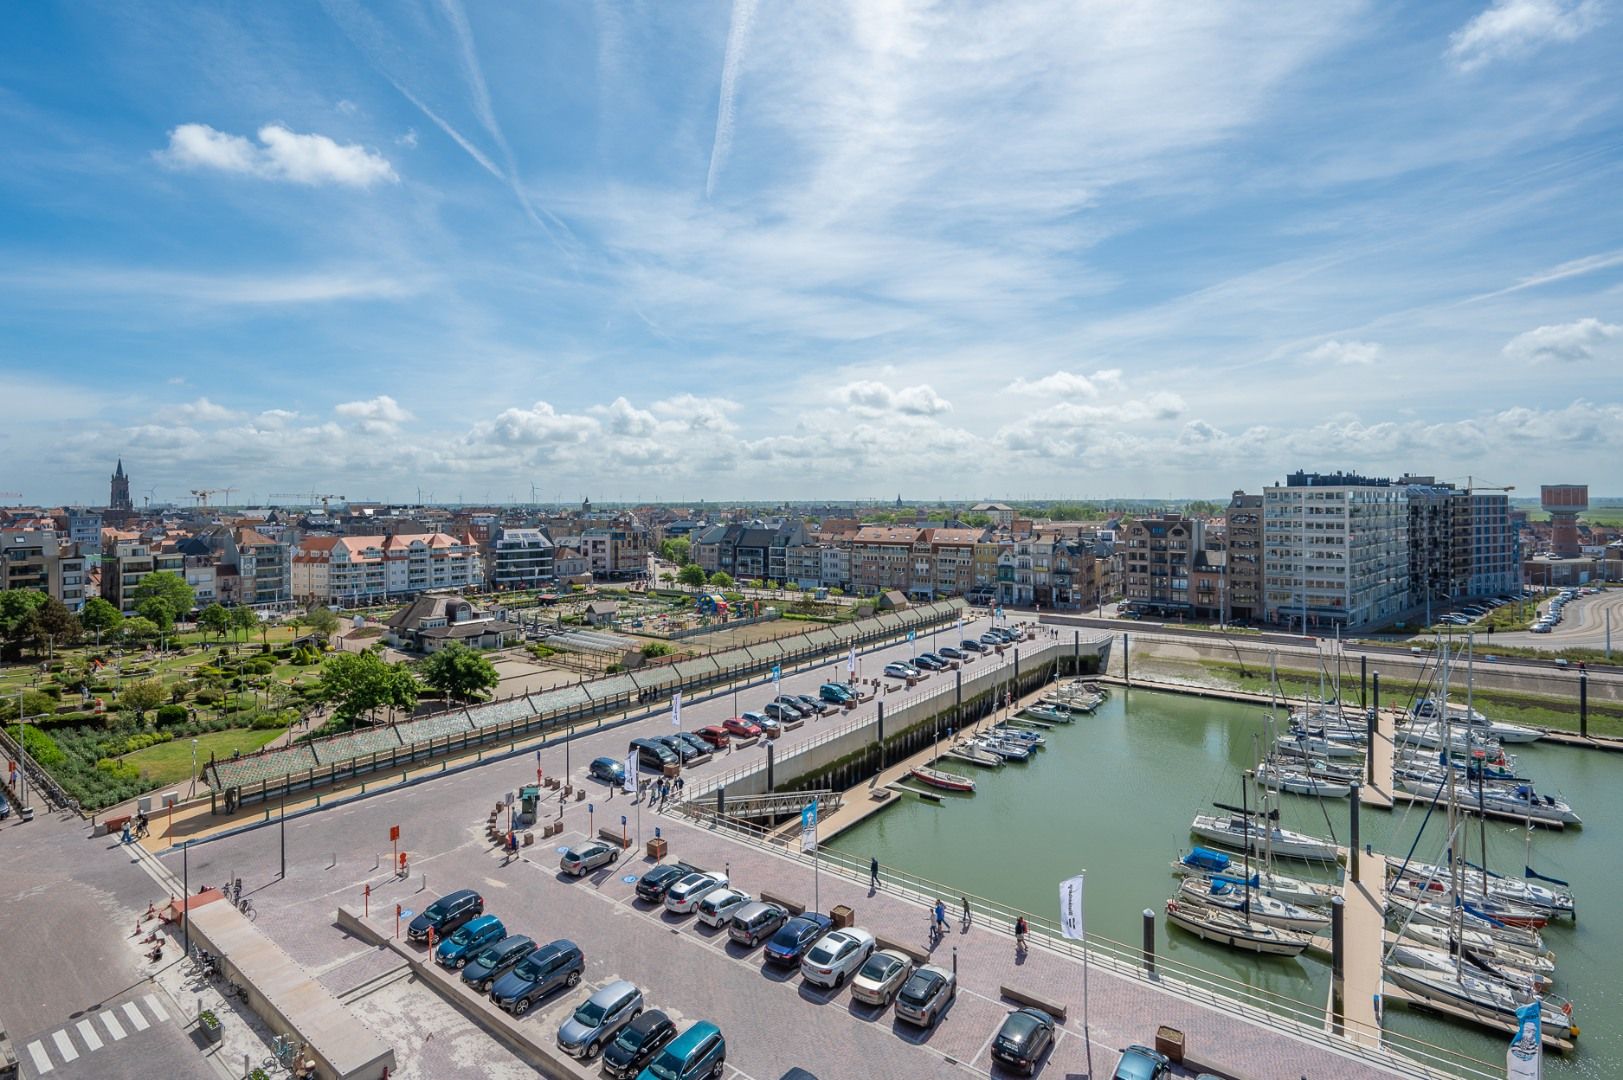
x=155 y=1007
x=42 y=1060
x=114 y=1028
x=88 y=1034
x=136 y=1019
x=64 y=1045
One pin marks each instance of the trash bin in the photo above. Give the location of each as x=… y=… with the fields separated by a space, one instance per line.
x=843 y=916
x=1169 y=1041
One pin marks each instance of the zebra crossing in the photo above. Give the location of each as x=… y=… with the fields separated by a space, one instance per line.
x=93 y=1033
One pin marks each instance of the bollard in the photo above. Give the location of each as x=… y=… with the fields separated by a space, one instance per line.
x=422 y=882
x=955 y=961
x=1352 y=845
x=1149 y=941
x=1583 y=704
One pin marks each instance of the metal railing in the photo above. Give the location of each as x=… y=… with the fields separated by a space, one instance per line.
x=1404 y=1053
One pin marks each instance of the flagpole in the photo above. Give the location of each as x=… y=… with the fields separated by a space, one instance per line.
x=1084 y=876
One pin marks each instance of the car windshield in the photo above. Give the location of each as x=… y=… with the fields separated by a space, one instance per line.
x=589 y=1014
x=489 y=956
x=463 y=936
x=880 y=968
x=667 y=1066
x=531 y=968
x=920 y=987
x=434 y=911
x=631 y=1036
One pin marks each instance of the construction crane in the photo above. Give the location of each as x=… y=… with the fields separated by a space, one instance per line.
x=12 y=495
x=1470 y=486
x=202 y=494
x=324 y=500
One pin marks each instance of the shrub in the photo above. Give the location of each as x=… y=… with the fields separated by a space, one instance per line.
x=171 y=714
x=208 y=697
x=264 y=647
x=42 y=748
x=268 y=722
x=259 y=667
x=35 y=703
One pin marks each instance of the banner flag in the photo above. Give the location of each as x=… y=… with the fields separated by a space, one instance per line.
x=808 y=826
x=1524 y=1060
x=1071 y=916
x=676 y=709
x=628 y=783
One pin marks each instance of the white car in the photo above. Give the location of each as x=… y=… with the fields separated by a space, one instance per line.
x=901 y=671
x=836 y=957
x=685 y=895
x=720 y=905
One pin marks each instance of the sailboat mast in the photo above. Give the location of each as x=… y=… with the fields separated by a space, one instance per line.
x=1245 y=817
x=1482 y=771
x=1453 y=818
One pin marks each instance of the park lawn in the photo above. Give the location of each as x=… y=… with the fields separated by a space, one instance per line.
x=171 y=762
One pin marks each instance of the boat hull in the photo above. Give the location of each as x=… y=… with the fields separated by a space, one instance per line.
x=1209 y=924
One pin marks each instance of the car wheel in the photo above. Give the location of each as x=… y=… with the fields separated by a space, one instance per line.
x=716 y=1072
x=521 y=1006
x=839 y=980
x=484 y=987
x=574 y=979
x=460 y=964
x=591 y=1050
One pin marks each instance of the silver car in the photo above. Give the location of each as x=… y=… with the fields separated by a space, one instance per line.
x=597 y=1019
x=685 y=895
x=720 y=905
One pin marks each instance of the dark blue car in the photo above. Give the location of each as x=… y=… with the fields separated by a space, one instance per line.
x=537 y=975
x=792 y=940
x=456 y=950
x=485 y=968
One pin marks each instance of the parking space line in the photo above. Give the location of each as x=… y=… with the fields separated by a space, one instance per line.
x=42 y=1060
x=137 y=1021
x=114 y=1028
x=155 y=1007
x=88 y=1034
x=64 y=1045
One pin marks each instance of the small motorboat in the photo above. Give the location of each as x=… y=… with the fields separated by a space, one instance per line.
x=937 y=778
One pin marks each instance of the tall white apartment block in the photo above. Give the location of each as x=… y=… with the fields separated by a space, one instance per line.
x=1335 y=551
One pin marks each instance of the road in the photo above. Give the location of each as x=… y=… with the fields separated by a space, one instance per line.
x=1583 y=625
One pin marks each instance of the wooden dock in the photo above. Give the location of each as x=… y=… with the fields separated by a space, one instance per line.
x=1472 y=1016
x=1364 y=930
x=1379 y=794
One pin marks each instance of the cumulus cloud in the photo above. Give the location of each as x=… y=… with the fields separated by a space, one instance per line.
x=1345 y=352
x=201 y=410
x=539 y=425
x=1565 y=342
x=280 y=154
x=1069 y=384
x=620 y=417
x=869 y=398
x=380 y=415
x=1511 y=28
x=699 y=413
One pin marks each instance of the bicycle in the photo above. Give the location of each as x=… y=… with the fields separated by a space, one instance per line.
x=246 y=906
x=283 y=1052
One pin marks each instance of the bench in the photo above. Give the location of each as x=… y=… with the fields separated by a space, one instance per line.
x=749 y=740
x=788 y=905
x=1020 y=997
x=791 y=725
x=918 y=956
x=609 y=834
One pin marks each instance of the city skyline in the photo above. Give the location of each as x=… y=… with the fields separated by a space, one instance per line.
x=743 y=252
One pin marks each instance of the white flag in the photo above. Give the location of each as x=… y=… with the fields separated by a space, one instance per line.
x=1071 y=922
x=628 y=782
x=676 y=709
x=808 y=826
x=851 y=661
x=1524 y=1060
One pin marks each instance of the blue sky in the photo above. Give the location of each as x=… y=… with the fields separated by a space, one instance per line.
x=754 y=250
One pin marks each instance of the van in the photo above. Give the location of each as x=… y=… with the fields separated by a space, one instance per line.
x=653 y=755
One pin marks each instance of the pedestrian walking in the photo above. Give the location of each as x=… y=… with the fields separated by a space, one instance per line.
x=968 y=916
x=1020 y=932
x=939 y=927
x=873 y=873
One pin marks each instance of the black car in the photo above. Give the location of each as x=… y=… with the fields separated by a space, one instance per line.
x=810 y=705
x=493 y=960
x=539 y=974
x=971 y=645
x=1025 y=1036
x=653 y=885
x=950 y=653
x=637 y=1044
x=679 y=747
x=693 y=740
x=789 y=944
x=928 y=663
x=446 y=914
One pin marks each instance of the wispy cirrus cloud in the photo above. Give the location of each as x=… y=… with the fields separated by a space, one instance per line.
x=721 y=144
x=1512 y=28
x=1344 y=353
x=280 y=154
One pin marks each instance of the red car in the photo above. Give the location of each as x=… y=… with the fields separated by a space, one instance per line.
x=715 y=735
x=741 y=727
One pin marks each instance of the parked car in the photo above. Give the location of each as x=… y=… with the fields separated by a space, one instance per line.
x=935 y=656
x=5 y=808
x=588 y=857
x=879 y=979
x=767 y=723
x=779 y=713
x=971 y=645
x=607 y=768
x=797 y=935
x=744 y=729
x=446 y=914
x=598 y=1019
x=1023 y=1039
x=715 y=736
x=653 y=885
x=991 y=640
x=693 y=739
x=835 y=694
x=700 y=1051
x=835 y=958
x=719 y=905
x=684 y=896
x=1142 y=1063
x=790 y=702
x=473 y=935
x=679 y=747
x=926 y=662
x=925 y=994
x=754 y=923
x=654 y=755
x=483 y=970
x=537 y=975
x=901 y=671
x=811 y=706
x=637 y=1043
x=950 y=653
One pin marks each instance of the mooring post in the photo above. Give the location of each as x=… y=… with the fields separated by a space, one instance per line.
x=1338 y=942
x=1363 y=679
x=958 y=704
x=1149 y=940
x=721 y=802
x=770 y=785
x=1076 y=652
x=881 y=729
x=1355 y=847
x=1583 y=704
x=1374 y=721
x=1126 y=661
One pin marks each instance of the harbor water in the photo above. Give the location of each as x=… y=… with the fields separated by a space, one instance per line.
x=1114 y=794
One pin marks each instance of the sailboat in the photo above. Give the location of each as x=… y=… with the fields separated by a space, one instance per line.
x=1236 y=895
x=1428 y=709
x=1206 y=863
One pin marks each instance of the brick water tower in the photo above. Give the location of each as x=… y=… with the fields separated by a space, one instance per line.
x=1564 y=502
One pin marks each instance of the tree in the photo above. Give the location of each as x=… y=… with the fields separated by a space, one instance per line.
x=99 y=617
x=156 y=610
x=169 y=588
x=721 y=579
x=244 y=620
x=214 y=619
x=17 y=607
x=52 y=623
x=141 y=696
x=459 y=672
x=678 y=550
x=322 y=620
x=138 y=628
x=358 y=683
x=691 y=575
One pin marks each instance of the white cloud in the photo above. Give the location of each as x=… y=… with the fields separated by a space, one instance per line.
x=539 y=425
x=869 y=398
x=1068 y=384
x=347 y=107
x=1510 y=28
x=202 y=410
x=699 y=413
x=1345 y=352
x=408 y=139
x=1567 y=342
x=381 y=415
x=620 y=417
x=280 y=155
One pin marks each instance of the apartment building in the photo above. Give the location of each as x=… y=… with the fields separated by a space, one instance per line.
x=354 y=570
x=882 y=558
x=1496 y=557
x=1159 y=554
x=519 y=559
x=126 y=561
x=944 y=562
x=1335 y=550
x=1242 y=546
x=43 y=560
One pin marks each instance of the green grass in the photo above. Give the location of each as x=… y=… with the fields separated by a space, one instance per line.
x=170 y=762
